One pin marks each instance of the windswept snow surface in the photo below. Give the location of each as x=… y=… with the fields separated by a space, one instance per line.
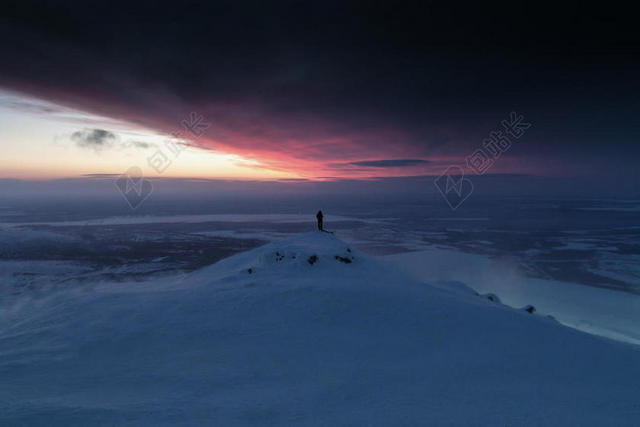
x=612 y=314
x=303 y=331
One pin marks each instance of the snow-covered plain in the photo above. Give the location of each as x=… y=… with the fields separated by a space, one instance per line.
x=303 y=331
x=182 y=219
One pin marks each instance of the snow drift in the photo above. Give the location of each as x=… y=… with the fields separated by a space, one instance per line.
x=303 y=331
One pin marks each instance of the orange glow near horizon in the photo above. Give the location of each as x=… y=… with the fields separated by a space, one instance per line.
x=37 y=144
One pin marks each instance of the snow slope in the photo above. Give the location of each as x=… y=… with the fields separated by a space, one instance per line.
x=303 y=331
x=600 y=311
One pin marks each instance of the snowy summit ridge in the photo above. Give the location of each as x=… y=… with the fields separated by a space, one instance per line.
x=295 y=254
x=304 y=331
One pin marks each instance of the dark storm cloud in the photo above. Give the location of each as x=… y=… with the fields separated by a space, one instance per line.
x=286 y=77
x=94 y=138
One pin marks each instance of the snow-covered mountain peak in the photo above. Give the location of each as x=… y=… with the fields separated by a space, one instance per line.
x=315 y=248
x=308 y=252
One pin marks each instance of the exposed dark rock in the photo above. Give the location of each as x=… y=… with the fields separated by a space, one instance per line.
x=492 y=297
x=343 y=259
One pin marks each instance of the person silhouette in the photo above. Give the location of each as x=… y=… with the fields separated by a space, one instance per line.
x=319 y=217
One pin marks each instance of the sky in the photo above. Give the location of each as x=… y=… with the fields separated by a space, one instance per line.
x=319 y=91
x=42 y=140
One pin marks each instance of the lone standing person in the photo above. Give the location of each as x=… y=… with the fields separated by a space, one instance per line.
x=319 y=216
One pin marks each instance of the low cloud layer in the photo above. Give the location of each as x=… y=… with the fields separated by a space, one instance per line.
x=140 y=144
x=392 y=163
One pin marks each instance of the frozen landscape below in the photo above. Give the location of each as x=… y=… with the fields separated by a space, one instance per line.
x=564 y=257
x=306 y=331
